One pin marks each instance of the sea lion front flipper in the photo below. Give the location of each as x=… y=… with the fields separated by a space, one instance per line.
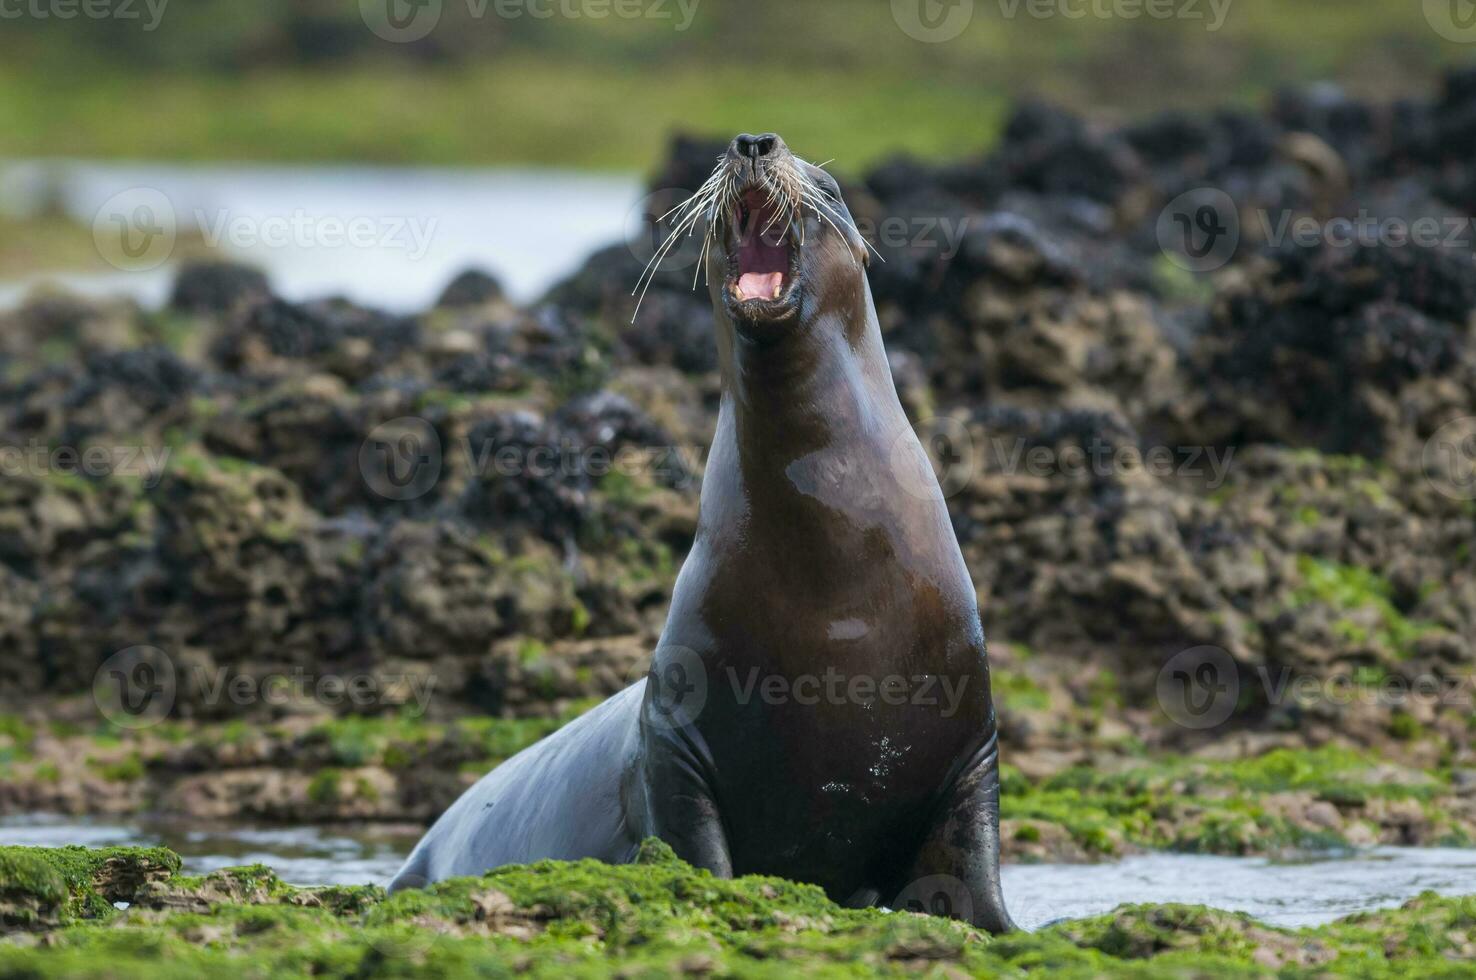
x=956 y=871
x=678 y=804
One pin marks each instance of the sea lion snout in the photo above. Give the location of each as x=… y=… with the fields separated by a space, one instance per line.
x=756 y=148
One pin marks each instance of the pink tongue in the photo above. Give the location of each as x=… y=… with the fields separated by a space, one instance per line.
x=759 y=285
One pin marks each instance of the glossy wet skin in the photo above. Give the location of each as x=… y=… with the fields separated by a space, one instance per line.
x=818 y=706
x=825 y=566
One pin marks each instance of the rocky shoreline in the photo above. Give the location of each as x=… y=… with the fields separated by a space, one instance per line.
x=59 y=918
x=1263 y=468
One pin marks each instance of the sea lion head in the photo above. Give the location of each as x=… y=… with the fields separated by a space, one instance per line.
x=787 y=250
x=781 y=249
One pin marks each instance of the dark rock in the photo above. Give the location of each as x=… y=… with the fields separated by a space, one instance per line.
x=218 y=288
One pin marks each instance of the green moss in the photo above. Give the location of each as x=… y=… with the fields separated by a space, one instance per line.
x=1016 y=690
x=1403 y=726
x=323 y=788
x=660 y=917
x=1349 y=588
x=66 y=884
x=15 y=739
x=128 y=769
x=1206 y=807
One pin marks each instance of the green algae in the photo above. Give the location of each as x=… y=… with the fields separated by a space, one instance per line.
x=655 y=917
x=40 y=886
x=1214 y=807
x=1351 y=589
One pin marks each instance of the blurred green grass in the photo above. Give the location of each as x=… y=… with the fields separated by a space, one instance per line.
x=305 y=80
x=521 y=111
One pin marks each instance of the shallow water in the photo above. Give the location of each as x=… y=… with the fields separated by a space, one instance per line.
x=528 y=228
x=300 y=855
x=1283 y=893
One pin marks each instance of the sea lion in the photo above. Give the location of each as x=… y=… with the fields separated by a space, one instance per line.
x=818 y=706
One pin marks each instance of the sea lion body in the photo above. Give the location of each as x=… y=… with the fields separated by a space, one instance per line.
x=819 y=704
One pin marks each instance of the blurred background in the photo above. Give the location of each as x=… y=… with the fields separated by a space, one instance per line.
x=250 y=252
x=244 y=89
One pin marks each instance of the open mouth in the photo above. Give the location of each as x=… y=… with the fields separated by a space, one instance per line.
x=764 y=258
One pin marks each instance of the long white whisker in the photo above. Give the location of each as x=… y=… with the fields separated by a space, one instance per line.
x=654 y=265
x=816 y=201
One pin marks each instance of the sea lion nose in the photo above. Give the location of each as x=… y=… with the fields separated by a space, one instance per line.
x=757 y=147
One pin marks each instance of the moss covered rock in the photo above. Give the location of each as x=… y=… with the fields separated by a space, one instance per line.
x=655 y=917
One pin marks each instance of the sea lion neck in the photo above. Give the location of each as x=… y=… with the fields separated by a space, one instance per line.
x=802 y=390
